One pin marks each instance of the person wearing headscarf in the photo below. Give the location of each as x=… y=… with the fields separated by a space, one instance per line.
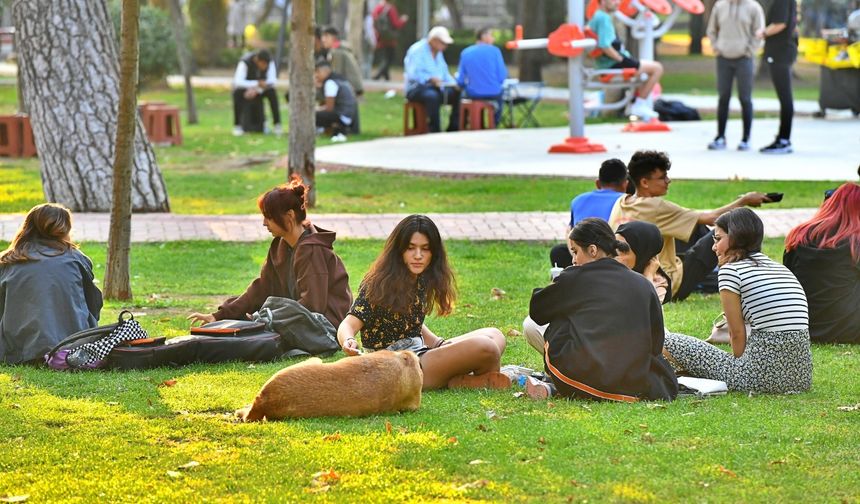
x=645 y=243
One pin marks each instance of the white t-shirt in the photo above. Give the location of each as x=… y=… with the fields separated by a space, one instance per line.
x=330 y=89
x=771 y=297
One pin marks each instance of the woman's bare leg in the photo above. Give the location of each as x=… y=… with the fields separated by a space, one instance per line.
x=476 y=352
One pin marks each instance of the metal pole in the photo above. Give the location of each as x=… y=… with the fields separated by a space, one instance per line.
x=576 y=109
x=422 y=25
x=282 y=35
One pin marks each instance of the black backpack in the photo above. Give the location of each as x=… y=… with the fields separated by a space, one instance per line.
x=382 y=25
x=674 y=110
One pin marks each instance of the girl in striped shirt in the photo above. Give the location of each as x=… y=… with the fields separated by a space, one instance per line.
x=774 y=357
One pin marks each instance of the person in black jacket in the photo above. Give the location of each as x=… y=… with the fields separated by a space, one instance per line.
x=590 y=351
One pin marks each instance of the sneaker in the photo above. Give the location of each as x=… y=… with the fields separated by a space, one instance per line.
x=238 y=131
x=743 y=146
x=537 y=389
x=340 y=137
x=779 y=146
x=641 y=110
x=719 y=143
x=278 y=130
x=492 y=380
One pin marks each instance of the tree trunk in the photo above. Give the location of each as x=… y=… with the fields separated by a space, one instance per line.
x=208 y=30
x=533 y=17
x=355 y=33
x=181 y=37
x=68 y=64
x=119 y=240
x=302 y=125
x=456 y=13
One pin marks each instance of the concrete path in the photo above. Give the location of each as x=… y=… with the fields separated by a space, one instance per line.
x=249 y=228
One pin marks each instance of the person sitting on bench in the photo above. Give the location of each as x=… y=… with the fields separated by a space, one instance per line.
x=615 y=56
x=254 y=80
x=427 y=78
x=339 y=109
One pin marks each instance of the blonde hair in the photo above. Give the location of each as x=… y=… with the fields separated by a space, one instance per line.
x=47 y=224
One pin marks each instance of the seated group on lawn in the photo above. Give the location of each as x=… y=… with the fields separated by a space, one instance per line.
x=602 y=333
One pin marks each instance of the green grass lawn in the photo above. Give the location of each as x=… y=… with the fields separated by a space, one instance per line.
x=125 y=436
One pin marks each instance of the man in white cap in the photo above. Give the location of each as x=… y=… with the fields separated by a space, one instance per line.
x=428 y=80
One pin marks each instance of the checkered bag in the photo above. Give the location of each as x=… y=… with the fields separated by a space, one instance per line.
x=88 y=349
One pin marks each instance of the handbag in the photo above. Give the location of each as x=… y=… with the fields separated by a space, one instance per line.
x=89 y=348
x=720 y=331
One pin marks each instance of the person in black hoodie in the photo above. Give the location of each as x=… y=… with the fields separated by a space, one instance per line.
x=300 y=265
x=591 y=352
x=824 y=255
x=645 y=242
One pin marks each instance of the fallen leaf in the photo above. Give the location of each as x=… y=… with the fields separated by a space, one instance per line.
x=169 y=383
x=251 y=366
x=476 y=462
x=647 y=437
x=112 y=403
x=388 y=426
x=578 y=484
x=174 y=474
x=491 y=415
x=332 y=437
x=541 y=440
x=475 y=484
x=482 y=428
x=643 y=426
x=518 y=394
x=469 y=315
x=656 y=406
x=15 y=406
x=856 y=407
x=403 y=429
x=777 y=462
x=727 y=472
x=550 y=404
x=15 y=498
x=497 y=293
x=452 y=440
x=513 y=333
x=326 y=477
x=189 y=465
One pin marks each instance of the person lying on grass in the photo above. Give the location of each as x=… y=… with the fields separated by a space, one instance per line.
x=408 y=280
x=46 y=287
x=605 y=330
x=775 y=356
x=301 y=263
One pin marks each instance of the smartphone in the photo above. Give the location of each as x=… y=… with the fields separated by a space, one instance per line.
x=774 y=197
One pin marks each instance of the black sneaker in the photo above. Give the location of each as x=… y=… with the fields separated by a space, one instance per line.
x=779 y=146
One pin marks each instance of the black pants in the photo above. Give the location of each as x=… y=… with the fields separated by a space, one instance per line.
x=240 y=102
x=780 y=75
x=433 y=98
x=330 y=119
x=727 y=71
x=699 y=260
x=387 y=54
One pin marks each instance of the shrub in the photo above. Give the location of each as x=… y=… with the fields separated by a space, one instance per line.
x=157 y=46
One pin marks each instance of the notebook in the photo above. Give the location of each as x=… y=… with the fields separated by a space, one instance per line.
x=701 y=386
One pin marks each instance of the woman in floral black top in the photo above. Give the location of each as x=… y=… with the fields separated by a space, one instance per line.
x=406 y=282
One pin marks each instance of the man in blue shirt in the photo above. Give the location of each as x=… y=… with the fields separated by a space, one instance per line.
x=428 y=80
x=611 y=184
x=482 y=70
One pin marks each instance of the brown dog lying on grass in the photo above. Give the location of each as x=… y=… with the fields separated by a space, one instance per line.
x=378 y=382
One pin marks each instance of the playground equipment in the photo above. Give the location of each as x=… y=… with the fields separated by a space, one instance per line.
x=567 y=41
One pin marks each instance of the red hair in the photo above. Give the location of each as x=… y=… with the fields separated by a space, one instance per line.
x=275 y=203
x=837 y=221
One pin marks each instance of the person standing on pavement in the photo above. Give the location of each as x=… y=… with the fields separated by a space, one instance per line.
x=386 y=23
x=733 y=28
x=780 y=51
x=482 y=71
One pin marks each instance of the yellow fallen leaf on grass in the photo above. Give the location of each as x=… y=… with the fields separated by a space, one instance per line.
x=477 y=461
x=481 y=483
x=727 y=472
x=174 y=474
x=15 y=498
x=332 y=437
x=189 y=465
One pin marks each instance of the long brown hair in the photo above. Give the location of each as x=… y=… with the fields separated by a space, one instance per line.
x=389 y=282
x=47 y=224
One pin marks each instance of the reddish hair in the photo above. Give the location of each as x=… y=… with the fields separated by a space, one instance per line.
x=837 y=221
x=275 y=203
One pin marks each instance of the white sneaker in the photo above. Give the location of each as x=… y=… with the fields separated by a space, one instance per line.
x=278 y=130
x=641 y=110
x=340 y=137
x=238 y=131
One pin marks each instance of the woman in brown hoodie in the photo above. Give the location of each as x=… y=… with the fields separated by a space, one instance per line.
x=300 y=265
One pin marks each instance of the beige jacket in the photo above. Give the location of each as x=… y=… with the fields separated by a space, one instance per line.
x=732 y=28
